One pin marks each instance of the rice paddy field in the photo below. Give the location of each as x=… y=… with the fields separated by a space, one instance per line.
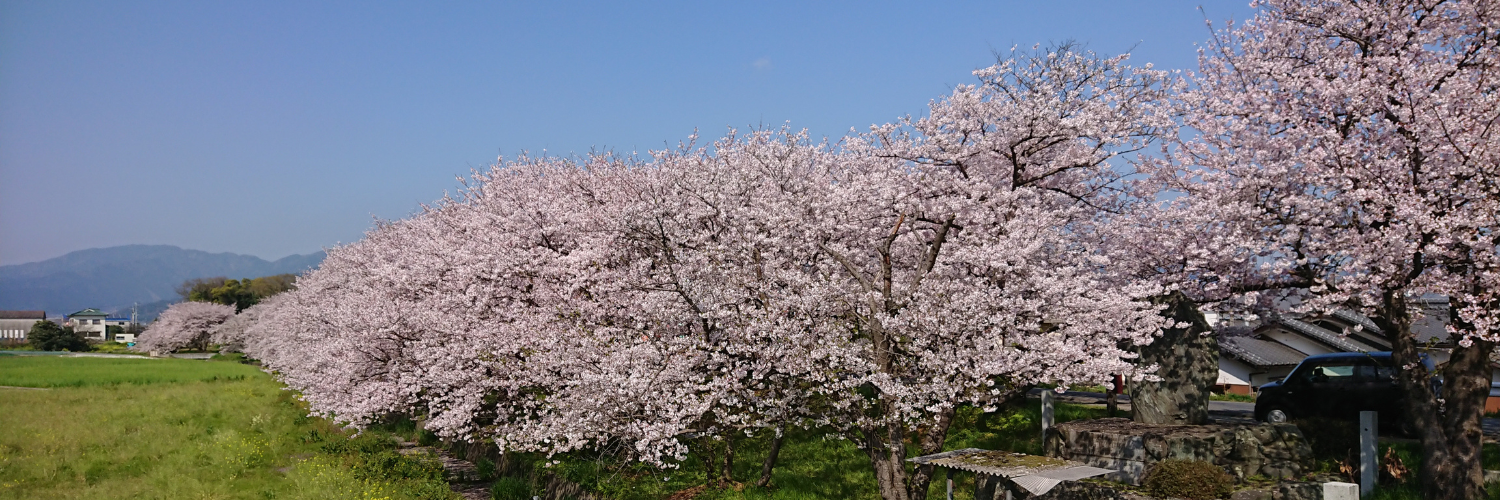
x=85 y=428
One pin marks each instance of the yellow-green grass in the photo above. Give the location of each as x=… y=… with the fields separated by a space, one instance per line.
x=1242 y=398
x=120 y=428
x=56 y=371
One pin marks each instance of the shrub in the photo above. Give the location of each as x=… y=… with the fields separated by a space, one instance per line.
x=486 y=469
x=48 y=336
x=1188 y=479
x=510 y=488
x=390 y=465
x=113 y=347
x=363 y=444
x=1330 y=439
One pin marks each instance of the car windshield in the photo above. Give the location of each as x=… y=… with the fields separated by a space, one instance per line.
x=1347 y=370
x=1335 y=371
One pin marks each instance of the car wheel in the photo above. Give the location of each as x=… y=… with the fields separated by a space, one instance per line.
x=1276 y=415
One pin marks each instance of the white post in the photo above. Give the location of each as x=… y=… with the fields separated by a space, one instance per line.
x=1369 y=469
x=1046 y=415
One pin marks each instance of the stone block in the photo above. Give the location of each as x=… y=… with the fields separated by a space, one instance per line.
x=1340 y=491
x=1252 y=495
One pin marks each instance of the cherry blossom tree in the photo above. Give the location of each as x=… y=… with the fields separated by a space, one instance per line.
x=507 y=313
x=1347 y=153
x=654 y=304
x=184 y=324
x=232 y=334
x=971 y=260
x=557 y=306
x=765 y=281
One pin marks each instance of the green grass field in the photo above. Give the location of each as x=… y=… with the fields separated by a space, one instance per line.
x=127 y=428
x=53 y=371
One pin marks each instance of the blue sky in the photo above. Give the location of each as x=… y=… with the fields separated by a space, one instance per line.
x=275 y=128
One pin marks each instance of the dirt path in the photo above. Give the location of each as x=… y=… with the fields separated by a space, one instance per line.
x=462 y=475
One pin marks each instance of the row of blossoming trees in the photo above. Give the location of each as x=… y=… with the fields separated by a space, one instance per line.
x=1337 y=154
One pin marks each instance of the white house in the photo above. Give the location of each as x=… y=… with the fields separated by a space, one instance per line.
x=89 y=322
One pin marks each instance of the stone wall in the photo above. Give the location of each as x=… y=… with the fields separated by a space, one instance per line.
x=1275 y=451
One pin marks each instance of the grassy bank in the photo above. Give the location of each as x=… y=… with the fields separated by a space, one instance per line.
x=811 y=464
x=142 y=428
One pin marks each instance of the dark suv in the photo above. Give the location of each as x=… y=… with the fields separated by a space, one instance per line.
x=1338 y=385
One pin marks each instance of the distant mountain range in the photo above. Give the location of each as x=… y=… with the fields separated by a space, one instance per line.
x=112 y=279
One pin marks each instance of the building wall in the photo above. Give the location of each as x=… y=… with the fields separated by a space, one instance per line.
x=1234 y=376
x=1238 y=377
x=1233 y=372
x=92 y=327
x=15 y=329
x=1270 y=373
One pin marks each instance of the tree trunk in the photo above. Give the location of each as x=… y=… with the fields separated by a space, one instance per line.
x=887 y=451
x=1112 y=398
x=710 y=464
x=1466 y=387
x=1449 y=431
x=931 y=442
x=727 y=475
x=1188 y=361
x=770 y=463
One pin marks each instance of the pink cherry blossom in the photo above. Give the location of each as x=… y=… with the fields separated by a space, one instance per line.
x=184 y=324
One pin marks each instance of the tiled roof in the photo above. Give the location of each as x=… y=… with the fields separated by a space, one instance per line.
x=1357 y=318
x=1320 y=334
x=23 y=315
x=1260 y=352
x=1364 y=330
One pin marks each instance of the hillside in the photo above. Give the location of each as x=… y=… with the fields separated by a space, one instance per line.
x=113 y=278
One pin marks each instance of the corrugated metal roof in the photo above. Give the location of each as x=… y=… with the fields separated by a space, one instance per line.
x=23 y=315
x=1037 y=479
x=1260 y=352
